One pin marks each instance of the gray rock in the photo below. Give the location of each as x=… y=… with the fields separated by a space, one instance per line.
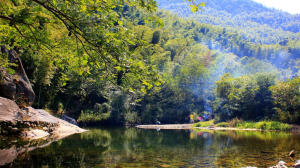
x=15 y=86
x=297 y=164
x=70 y=120
x=281 y=164
x=10 y=113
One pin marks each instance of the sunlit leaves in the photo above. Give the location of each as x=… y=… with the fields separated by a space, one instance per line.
x=195 y=7
x=287 y=100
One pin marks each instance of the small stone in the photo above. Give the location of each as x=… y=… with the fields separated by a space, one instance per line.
x=281 y=164
x=51 y=129
x=26 y=109
x=13 y=123
x=45 y=129
x=9 y=127
x=14 y=130
x=27 y=124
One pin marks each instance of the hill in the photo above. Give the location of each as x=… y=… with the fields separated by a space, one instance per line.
x=252 y=20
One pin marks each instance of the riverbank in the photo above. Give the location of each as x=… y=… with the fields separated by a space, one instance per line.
x=32 y=123
x=210 y=127
x=236 y=124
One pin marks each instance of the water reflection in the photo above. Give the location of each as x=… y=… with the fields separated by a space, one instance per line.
x=131 y=147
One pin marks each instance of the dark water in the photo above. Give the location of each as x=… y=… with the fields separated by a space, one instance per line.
x=131 y=147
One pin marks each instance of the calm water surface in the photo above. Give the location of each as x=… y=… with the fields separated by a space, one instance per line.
x=131 y=147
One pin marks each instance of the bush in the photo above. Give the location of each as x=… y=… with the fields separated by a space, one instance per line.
x=90 y=116
x=263 y=125
x=260 y=125
x=272 y=125
x=223 y=124
x=204 y=124
x=249 y=125
x=234 y=122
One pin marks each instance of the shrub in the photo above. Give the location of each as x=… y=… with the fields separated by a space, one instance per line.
x=234 y=122
x=223 y=124
x=260 y=125
x=204 y=124
x=249 y=125
x=272 y=125
x=89 y=116
x=263 y=125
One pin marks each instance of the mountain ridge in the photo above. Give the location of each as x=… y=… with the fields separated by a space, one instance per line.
x=254 y=21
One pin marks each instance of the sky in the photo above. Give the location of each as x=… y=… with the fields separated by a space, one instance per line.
x=291 y=6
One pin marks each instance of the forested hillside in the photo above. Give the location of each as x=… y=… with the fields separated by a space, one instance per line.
x=140 y=65
x=252 y=20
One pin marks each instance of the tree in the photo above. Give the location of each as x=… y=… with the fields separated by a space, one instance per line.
x=246 y=97
x=287 y=100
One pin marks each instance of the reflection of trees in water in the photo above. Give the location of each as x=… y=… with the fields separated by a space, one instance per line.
x=254 y=148
x=101 y=138
x=131 y=147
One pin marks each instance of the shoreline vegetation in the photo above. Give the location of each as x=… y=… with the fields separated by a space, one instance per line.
x=236 y=124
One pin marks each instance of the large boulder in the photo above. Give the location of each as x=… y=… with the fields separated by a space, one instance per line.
x=31 y=122
x=10 y=116
x=15 y=86
x=9 y=111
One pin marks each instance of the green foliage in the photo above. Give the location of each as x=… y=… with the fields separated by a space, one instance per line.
x=223 y=124
x=111 y=61
x=246 y=97
x=204 y=124
x=286 y=96
x=263 y=125
x=271 y=25
x=5 y=64
x=267 y=125
x=92 y=118
x=100 y=113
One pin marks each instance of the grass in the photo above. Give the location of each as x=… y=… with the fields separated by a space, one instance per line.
x=263 y=125
x=90 y=117
x=203 y=124
x=223 y=124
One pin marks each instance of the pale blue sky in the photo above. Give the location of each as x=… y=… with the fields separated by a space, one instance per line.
x=291 y=6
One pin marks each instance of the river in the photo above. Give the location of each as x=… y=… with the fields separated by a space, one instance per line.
x=123 y=147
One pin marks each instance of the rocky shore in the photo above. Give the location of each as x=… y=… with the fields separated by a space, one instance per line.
x=30 y=122
x=16 y=92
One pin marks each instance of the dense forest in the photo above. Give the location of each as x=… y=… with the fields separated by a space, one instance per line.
x=252 y=20
x=126 y=63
